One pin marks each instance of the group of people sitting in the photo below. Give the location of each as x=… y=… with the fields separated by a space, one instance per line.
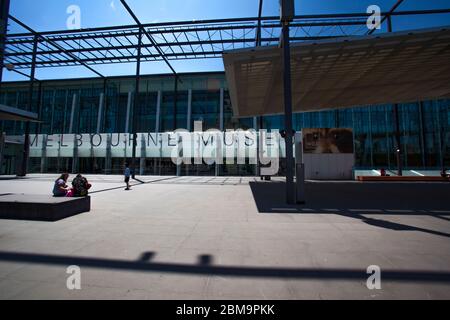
x=80 y=186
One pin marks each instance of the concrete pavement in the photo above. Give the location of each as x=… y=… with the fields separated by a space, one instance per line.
x=231 y=238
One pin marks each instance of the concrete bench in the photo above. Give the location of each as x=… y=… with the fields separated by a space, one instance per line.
x=41 y=207
x=402 y=178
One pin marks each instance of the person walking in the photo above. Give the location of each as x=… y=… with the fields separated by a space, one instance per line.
x=127 y=174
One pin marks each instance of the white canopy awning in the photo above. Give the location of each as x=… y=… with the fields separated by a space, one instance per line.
x=345 y=72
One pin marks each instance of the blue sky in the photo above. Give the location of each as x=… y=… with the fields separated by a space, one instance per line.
x=46 y=15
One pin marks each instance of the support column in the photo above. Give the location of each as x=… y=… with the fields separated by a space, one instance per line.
x=98 y=129
x=143 y=156
x=72 y=112
x=44 y=153
x=52 y=117
x=222 y=97
x=221 y=128
x=369 y=136
x=423 y=146
x=175 y=114
x=26 y=143
x=255 y=127
x=440 y=137
x=4 y=11
x=158 y=115
x=287 y=93
x=299 y=168
x=175 y=103
x=189 y=111
x=158 y=112
x=127 y=119
x=105 y=106
x=386 y=120
x=135 y=104
x=108 y=160
x=398 y=145
x=39 y=99
x=75 y=155
x=258 y=160
x=100 y=112
x=2 y=148
x=188 y=125
x=58 y=159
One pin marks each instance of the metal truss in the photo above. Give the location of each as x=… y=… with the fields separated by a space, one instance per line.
x=176 y=41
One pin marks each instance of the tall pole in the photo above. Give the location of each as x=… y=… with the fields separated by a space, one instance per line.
x=259 y=127
x=4 y=11
x=175 y=102
x=290 y=187
x=26 y=144
x=136 y=104
x=286 y=15
x=398 y=141
x=398 y=144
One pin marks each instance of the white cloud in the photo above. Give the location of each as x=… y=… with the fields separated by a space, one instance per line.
x=112 y=5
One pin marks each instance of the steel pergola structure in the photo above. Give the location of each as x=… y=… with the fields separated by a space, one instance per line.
x=177 y=41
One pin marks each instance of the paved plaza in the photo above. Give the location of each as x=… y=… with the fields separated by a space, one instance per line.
x=232 y=238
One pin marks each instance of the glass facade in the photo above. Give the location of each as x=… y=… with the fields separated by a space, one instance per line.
x=98 y=106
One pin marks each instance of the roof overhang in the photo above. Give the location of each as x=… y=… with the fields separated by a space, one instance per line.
x=9 y=113
x=395 y=67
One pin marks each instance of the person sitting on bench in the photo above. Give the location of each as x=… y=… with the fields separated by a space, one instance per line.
x=60 y=188
x=80 y=186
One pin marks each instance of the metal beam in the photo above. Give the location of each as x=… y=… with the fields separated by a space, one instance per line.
x=258 y=28
x=21 y=73
x=148 y=36
x=54 y=44
x=236 y=20
x=146 y=46
x=4 y=10
x=22 y=38
x=18 y=51
x=388 y=14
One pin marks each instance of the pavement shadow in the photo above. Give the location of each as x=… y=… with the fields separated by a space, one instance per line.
x=205 y=266
x=139 y=183
x=357 y=200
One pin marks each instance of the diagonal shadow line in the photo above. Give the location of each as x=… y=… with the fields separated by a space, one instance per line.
x=443 y=217
x=267 y=196
x=133 y=185
x=385 y=212
x=234 y=271
x=391 y=225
